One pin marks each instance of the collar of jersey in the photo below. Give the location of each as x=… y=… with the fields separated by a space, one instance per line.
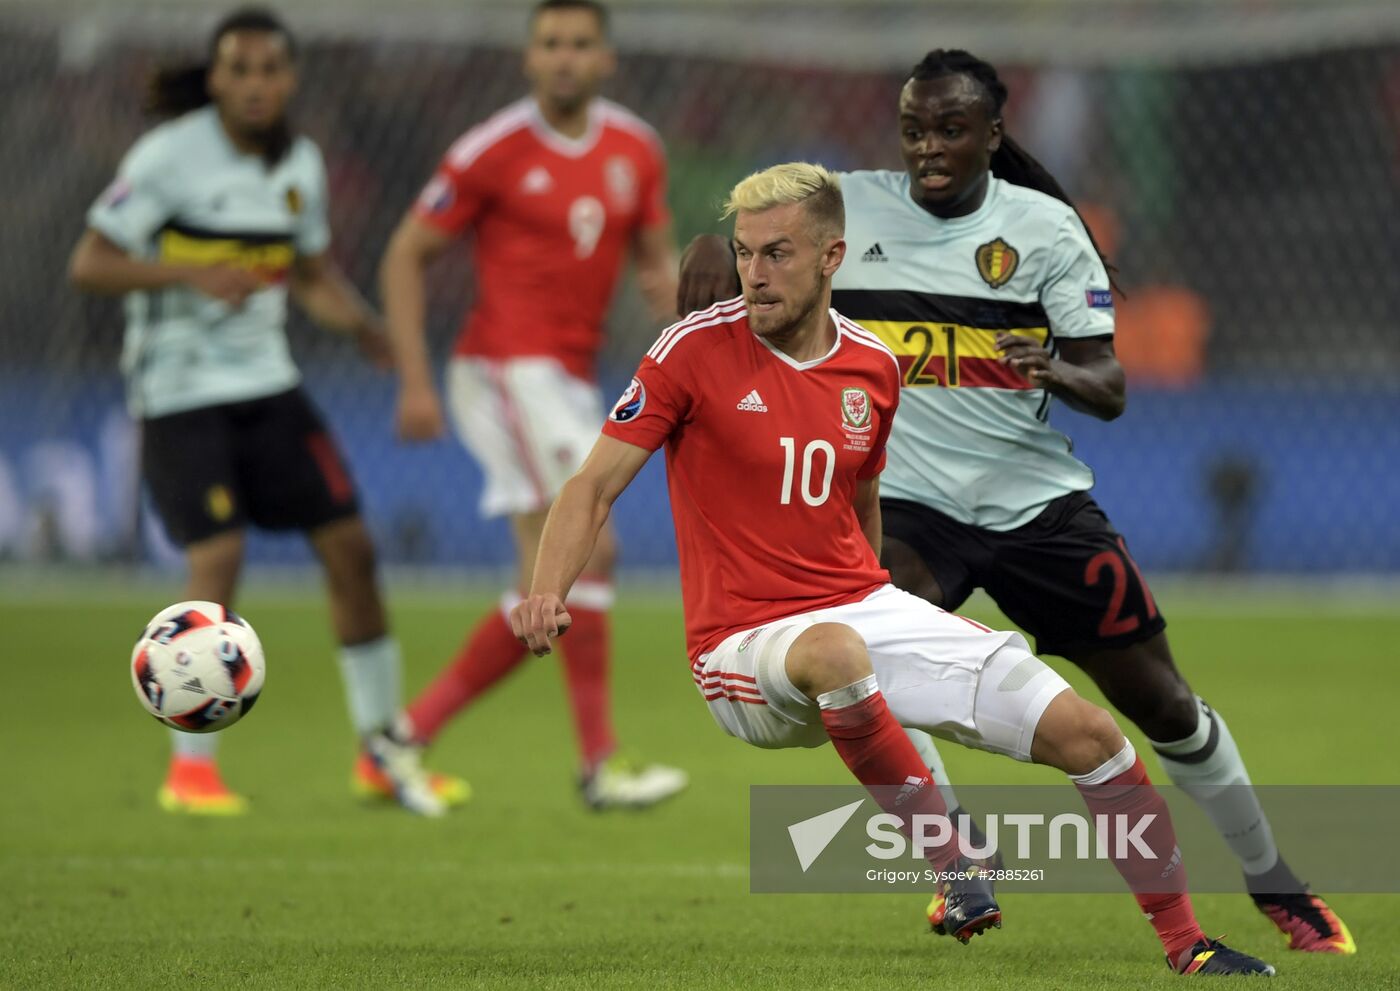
x=212 y=121
x=802 y=366
x=957 y=223
x=230 y=150
x=562 y=143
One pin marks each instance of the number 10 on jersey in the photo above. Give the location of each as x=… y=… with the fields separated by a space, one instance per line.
x=809 y=455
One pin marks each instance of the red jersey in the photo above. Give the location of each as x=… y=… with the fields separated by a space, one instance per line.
x=763 y=454
x=553 y=218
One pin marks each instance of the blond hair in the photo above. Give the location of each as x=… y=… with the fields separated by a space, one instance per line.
x=814 y=186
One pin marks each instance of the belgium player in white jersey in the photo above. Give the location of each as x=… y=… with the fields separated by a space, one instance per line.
x=976 y=270
x=214 y=219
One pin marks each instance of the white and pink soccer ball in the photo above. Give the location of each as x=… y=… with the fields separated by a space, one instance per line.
x=198 y=667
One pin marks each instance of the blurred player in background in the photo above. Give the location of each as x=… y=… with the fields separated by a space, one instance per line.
x=557 y=190
x=976 y=270
x=214 y=219
x=774 y=410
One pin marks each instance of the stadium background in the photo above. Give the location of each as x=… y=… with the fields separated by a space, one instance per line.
x=1244 y=155
x=1242 y=160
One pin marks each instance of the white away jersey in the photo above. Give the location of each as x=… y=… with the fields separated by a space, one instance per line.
x=971 y=439
x=184 y=194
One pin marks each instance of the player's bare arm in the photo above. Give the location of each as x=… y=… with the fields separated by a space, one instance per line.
x=321 y=289
x=654 y=254
x=99 y=265
x=412 y=248
x=1085 y=375
x=867 y=506
x=572 y=529
x=708 y=273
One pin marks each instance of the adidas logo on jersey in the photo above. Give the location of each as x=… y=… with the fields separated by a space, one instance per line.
x=875 y=254
x=537 y=180
x=752 y=403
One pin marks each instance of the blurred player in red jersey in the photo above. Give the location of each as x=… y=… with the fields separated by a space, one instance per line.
x=774 y=411
x=558 y=189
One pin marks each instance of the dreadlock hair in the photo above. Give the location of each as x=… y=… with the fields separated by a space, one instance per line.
x=176 y=90
x=1010 y=161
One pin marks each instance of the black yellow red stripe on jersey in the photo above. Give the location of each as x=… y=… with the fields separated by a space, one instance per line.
x=947 y=341
x=269 y=256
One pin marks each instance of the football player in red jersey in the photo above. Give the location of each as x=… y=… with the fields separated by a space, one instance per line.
x=558 y=189
x=982 y=491
x=774 y=411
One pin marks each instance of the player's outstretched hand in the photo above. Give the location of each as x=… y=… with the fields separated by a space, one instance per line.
x=1027 y=358
x=419 y=415
x=707 y=274
x=538 y=619
x=225 y=283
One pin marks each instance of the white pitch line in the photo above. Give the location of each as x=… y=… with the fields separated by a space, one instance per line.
x=494 y=871
x=271 y=589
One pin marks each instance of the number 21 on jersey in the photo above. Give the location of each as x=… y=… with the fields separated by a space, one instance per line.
x=810 y=454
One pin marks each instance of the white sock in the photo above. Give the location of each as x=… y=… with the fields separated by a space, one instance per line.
x=929 y=754
x=201 y=745
x=1207 y=766
x=373 y=674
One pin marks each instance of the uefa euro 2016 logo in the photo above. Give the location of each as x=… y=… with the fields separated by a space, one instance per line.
x=633 y=399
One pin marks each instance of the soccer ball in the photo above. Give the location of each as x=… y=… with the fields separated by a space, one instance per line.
x=197 y=667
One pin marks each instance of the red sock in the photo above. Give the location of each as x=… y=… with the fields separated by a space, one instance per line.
x=1159 y=885
x=489 y=654
x=584 y=652
x=878 y=752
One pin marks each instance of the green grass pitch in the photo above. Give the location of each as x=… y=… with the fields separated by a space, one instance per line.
x=523 y=888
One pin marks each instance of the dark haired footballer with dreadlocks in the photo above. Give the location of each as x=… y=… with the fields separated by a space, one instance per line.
x=975 y=269
x=215 y=217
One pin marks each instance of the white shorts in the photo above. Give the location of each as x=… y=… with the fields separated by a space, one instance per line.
x=939 y=673
x=528 y=423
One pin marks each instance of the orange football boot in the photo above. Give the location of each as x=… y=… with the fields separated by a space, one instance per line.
x=193 y=787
